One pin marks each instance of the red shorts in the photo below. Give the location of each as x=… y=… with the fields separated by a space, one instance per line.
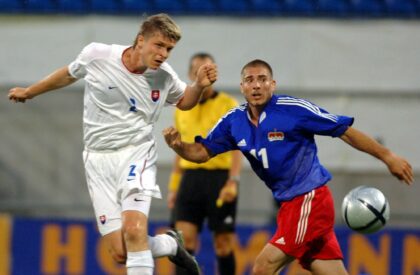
x=305 y=227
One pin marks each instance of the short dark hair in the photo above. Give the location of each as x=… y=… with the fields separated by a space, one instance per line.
x=255 y=63
x=200 y=55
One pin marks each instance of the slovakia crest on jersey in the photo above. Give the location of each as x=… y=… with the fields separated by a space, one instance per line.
x=275 y=136
x=155 y=94
x=102 y=219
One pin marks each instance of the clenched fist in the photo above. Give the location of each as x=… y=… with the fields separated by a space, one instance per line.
x=19 y=94
x=206 y=75
x=172 y=137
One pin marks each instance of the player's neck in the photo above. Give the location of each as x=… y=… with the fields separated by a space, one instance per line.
x=254 y=114
x=132 y=61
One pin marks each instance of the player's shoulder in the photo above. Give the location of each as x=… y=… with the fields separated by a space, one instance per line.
x=236 y=112
x=166 y=68
x=290 y=102
x=97 y=50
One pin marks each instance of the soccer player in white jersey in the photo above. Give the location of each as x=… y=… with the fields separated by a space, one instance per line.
x=125 y=90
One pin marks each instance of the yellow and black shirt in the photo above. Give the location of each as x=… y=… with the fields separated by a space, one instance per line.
x=199 y=121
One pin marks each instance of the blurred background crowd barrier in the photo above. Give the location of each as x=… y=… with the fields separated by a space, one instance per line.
x=354 y=57
x=333 y=8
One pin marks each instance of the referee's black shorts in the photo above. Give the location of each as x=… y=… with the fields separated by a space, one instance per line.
x=196 y=200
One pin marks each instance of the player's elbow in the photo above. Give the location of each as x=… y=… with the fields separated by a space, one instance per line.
x=200 y=158
x=183 y=106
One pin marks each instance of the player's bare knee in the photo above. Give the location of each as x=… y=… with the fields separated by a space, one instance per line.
x=135 y=233
x=263 y=265
x=259 y=269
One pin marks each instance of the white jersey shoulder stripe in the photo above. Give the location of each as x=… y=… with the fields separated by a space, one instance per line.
x=307 y=105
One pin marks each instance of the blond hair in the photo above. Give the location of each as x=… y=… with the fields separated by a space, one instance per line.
x=162 y=23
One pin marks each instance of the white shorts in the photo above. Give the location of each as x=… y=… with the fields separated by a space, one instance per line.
x=113 y=176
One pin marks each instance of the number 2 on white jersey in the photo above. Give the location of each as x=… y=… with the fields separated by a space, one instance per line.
x=263 y=153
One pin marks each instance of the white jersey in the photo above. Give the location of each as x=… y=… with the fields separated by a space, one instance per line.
x=120 y=107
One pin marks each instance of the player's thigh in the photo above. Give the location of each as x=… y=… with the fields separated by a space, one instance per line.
x=270 y=260
x=328 y=267
x=115 y=245
x=189 y=232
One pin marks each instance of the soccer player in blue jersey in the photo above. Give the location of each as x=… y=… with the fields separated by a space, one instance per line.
x=276 y=135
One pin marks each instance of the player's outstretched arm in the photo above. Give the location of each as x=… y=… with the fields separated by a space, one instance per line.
x=195 y=152
x=397 y=165
x=206 y=76
x=58 y=79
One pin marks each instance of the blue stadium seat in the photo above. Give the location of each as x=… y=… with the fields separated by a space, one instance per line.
x=266 y=6
x=137 y=6
x=303 y=7
x=417 y=4
x=367 y=7
x=73 y=6
x=334 y=7
x=105 y=6
x=237 y=6
x=40 y=6
x=200 y=6
x=400 y=7
x=173 y=6
x=11 y=5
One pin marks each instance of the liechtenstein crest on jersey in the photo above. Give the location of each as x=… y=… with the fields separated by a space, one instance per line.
x=275 y=136
x=155 y=95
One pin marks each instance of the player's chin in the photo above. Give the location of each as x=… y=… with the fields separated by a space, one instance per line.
x=155 y=65
x=256 y=102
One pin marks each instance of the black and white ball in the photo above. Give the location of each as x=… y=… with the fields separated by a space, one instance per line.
x=365 y=209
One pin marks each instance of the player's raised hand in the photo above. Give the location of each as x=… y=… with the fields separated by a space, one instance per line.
x=206 y=75
x=172 y=137
x=400 y=168
x=18 y=94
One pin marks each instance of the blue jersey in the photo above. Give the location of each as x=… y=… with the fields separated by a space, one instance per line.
x=281 y=149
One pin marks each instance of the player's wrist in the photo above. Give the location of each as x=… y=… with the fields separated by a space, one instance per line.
x=236 y=179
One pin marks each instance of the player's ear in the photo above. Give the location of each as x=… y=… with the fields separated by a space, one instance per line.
x=273 y=85
x=140 y=41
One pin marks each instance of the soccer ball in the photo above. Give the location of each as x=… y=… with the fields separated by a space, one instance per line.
x=365 y=209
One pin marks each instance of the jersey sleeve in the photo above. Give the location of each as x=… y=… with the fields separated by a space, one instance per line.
x=219 y=139
x=318 y=121
x=77 y=68
x=176 y=88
